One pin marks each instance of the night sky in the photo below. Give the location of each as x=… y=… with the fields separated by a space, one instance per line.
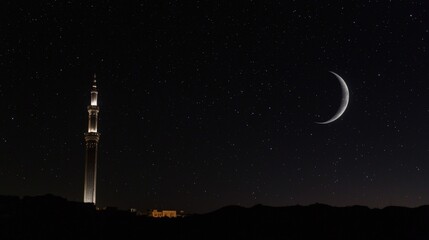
x=210 y=103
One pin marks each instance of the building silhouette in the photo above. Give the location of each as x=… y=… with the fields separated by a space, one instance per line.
x=91 y=144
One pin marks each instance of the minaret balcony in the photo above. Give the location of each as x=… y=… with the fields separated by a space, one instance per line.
x=92 y=136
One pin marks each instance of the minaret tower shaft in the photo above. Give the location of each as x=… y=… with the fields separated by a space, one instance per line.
x=91 y=144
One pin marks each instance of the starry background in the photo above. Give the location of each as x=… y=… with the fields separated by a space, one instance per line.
x=207 y=103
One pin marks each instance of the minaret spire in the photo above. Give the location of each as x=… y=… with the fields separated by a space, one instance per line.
x=94 y=82
x=91 y=143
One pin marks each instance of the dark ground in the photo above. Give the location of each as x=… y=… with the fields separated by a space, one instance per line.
x=51 y=217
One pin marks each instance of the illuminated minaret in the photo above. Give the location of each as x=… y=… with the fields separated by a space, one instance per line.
x=91 y=143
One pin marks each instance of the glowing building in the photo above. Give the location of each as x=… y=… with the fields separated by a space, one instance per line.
x=91 y=144
x=163 y=213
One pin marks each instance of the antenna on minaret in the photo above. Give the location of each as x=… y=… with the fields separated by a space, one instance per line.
x=94 y=82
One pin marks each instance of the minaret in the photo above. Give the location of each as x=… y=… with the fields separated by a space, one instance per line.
x=91 y=143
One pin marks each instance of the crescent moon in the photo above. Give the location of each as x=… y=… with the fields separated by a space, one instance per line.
x=344 y=100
